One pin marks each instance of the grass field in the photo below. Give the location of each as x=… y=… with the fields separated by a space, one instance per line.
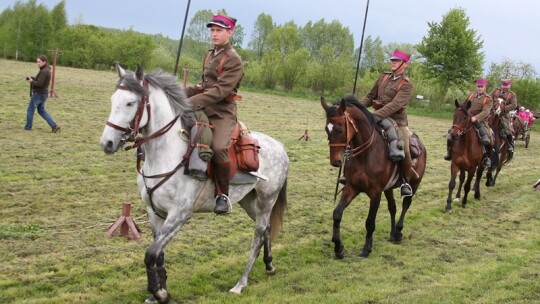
x=59 y=193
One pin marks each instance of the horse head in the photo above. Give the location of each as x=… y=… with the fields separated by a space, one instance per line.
x=337 y=130
x=129 y=110
x=461 y=121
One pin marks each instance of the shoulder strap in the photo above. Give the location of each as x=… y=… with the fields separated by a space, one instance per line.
x=469 y=98
x=385 y=79
x=486 y=98
x=221 y=62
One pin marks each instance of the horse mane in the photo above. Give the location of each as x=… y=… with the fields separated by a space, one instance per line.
x=169 y=84
x=352 y=101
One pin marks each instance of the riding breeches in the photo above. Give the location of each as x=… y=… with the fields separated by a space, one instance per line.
x=221 y=131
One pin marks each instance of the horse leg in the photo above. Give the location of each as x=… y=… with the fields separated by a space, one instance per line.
x=389 y=194
x=479 y=171
x=374 y=203
x=451 y=186
x=262 y=232
x=155 y=255
x=399 y=227
x=347 y=196
x=460 y=185
x=467 y=187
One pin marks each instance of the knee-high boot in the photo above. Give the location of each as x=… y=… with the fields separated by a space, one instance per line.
x=404 y=168
x=221 y=173
x=510 y=142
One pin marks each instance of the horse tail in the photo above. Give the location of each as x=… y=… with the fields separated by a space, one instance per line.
x=278 y=212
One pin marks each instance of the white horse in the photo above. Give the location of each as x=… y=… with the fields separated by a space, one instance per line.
x=156 y=105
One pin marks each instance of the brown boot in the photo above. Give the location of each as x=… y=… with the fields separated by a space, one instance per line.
x=221 y=174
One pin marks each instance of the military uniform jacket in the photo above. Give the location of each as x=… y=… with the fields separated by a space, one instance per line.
x=480 y=106
x=509 y=100
x=394 y=94
x=218 y=87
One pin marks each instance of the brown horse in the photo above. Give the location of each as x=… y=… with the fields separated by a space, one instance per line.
x=466 y=152
x=353 y=133
x=521 y=129
x=500 y=145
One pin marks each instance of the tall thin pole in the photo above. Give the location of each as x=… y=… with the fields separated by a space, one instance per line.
x=181 y=38
x=360 y=51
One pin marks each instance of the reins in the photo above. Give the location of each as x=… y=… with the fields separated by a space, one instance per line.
x=351 y=130
x=132 y=134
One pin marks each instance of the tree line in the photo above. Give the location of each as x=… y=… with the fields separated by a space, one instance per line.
x=316 y=58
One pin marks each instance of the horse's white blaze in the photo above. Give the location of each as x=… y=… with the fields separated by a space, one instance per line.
x=330 y=126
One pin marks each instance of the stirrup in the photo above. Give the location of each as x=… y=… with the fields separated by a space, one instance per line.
x=223 y=205
x=486 y=162
x=405 y=190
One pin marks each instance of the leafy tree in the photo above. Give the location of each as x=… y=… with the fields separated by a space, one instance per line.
x=262 y=28
x=315 y=35
x=293 y=68
x=509 y=69
x=269 y=71
x=373 y=57
x=451 y=51
x=58 y=17
x=285 y=39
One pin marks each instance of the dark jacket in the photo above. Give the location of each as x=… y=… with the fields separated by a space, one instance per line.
x=40 y=84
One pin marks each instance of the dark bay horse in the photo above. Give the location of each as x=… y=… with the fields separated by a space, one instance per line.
x=353 y=133
x=500 y=145
x=466 y=152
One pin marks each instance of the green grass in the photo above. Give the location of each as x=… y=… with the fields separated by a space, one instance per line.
x=60 y=192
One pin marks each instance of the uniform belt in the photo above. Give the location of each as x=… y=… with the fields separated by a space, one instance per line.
x=233 y=98
x=230 y=98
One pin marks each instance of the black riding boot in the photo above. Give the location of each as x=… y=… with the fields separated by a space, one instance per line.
x=486 y=162
x=221 y=173
x=405 y=189
x=510 y=143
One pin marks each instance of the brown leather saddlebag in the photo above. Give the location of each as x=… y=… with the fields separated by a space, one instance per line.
x=247 y=153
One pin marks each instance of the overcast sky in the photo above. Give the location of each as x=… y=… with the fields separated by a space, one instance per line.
x=510 y=29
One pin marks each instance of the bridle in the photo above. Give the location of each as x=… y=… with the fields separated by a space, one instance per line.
x=350 y=131
x=132 y=134
x=468 y=126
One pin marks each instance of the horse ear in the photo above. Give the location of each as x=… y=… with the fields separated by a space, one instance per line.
x=324 y=104
x=343 y=105
x=120 y=70
x=457 y=103
x=468 y=104
x=139 y=73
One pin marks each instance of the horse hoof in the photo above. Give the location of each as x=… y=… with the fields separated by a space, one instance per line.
x=340 y=254
x=365 y=253
x=150 y=300
x=237 y=289
x=161 y=296
x=271 y=271
x=463 y=206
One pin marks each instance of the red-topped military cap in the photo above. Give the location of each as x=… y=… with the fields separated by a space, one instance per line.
x=223 y=21
x=400 y=55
